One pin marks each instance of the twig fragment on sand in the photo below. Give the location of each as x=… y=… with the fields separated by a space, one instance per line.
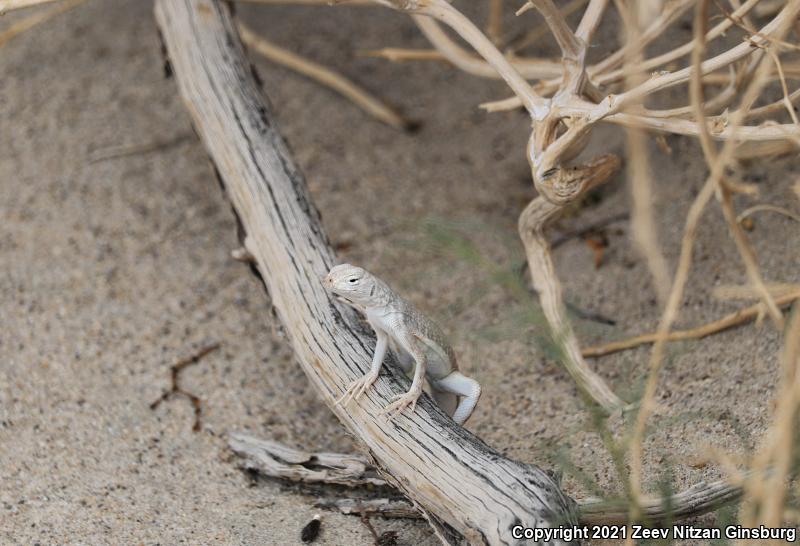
x=125 y=150
x=327 y=77
x=389 y=538
x=11 y=5
x=27 y=23
x=386 y=508
x=726 y=322
x=279 y=461
x=767 y=208
x=177 y=390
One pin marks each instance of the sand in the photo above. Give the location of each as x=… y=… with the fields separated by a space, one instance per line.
x=112 y=267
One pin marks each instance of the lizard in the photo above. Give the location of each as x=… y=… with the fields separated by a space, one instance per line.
x=414 y=339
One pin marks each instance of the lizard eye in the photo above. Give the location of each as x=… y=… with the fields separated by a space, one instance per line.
x=352 y=280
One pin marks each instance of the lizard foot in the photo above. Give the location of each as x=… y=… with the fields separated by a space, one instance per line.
x=401 y=402
x=356 y=389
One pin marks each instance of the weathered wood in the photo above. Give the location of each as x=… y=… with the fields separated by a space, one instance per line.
x=452 y=475
x=385 y=508
x=699 y=499
x=279 y=461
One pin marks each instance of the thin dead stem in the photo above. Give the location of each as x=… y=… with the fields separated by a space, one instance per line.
x=640 y=181
x=571 y=47
x=361 y=98
x=768 y=208
x=542 y=30
x=765 y=491
x=787 y=100
x=724 y=190
x=731 y=320
x=399 y=55
x=11 y=5
x=495 y=26
x=477 y=66
x=712 y=184
x=27 y=23
x=727 y=292
x=591 y=20
x=647 y=404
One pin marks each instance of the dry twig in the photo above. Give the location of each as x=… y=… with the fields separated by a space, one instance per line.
x=494 y=28
x=772 y=465
x=386 y=508
x=27 y=23
x=746 y=213
x=125 y=150
x=640 y=181
x=11 y=5
x=728 y=321
x=326 y=77
x=175 y=387
x=718 y=161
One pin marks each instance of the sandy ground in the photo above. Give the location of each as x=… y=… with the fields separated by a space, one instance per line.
x=112 y=268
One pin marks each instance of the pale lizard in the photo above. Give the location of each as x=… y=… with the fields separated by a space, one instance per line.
x=415 y=340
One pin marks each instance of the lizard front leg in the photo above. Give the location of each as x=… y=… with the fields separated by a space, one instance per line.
x=360 y=386
x=409 y=399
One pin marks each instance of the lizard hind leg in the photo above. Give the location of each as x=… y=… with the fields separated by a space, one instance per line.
x=464 y=387
x=447 y=401
x=403 y=357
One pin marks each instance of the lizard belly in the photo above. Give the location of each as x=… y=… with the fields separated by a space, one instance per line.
x=438 y=363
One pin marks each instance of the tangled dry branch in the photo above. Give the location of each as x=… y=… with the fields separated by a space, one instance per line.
x=566 y=99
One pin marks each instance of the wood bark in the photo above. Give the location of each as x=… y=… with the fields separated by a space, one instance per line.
x=274 y=460
x=279 y=461
x=458 y=481
x=385 y=508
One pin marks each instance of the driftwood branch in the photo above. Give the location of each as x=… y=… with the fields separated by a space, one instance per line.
x=279 y=461
x=270 y=462
x=385 y=508
x=695 y=501
x=455 y=478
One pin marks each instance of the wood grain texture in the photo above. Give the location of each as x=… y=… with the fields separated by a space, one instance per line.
x=274 y=460
x=458 y=481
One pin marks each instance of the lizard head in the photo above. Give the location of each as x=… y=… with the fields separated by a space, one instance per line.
x=351 y=283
